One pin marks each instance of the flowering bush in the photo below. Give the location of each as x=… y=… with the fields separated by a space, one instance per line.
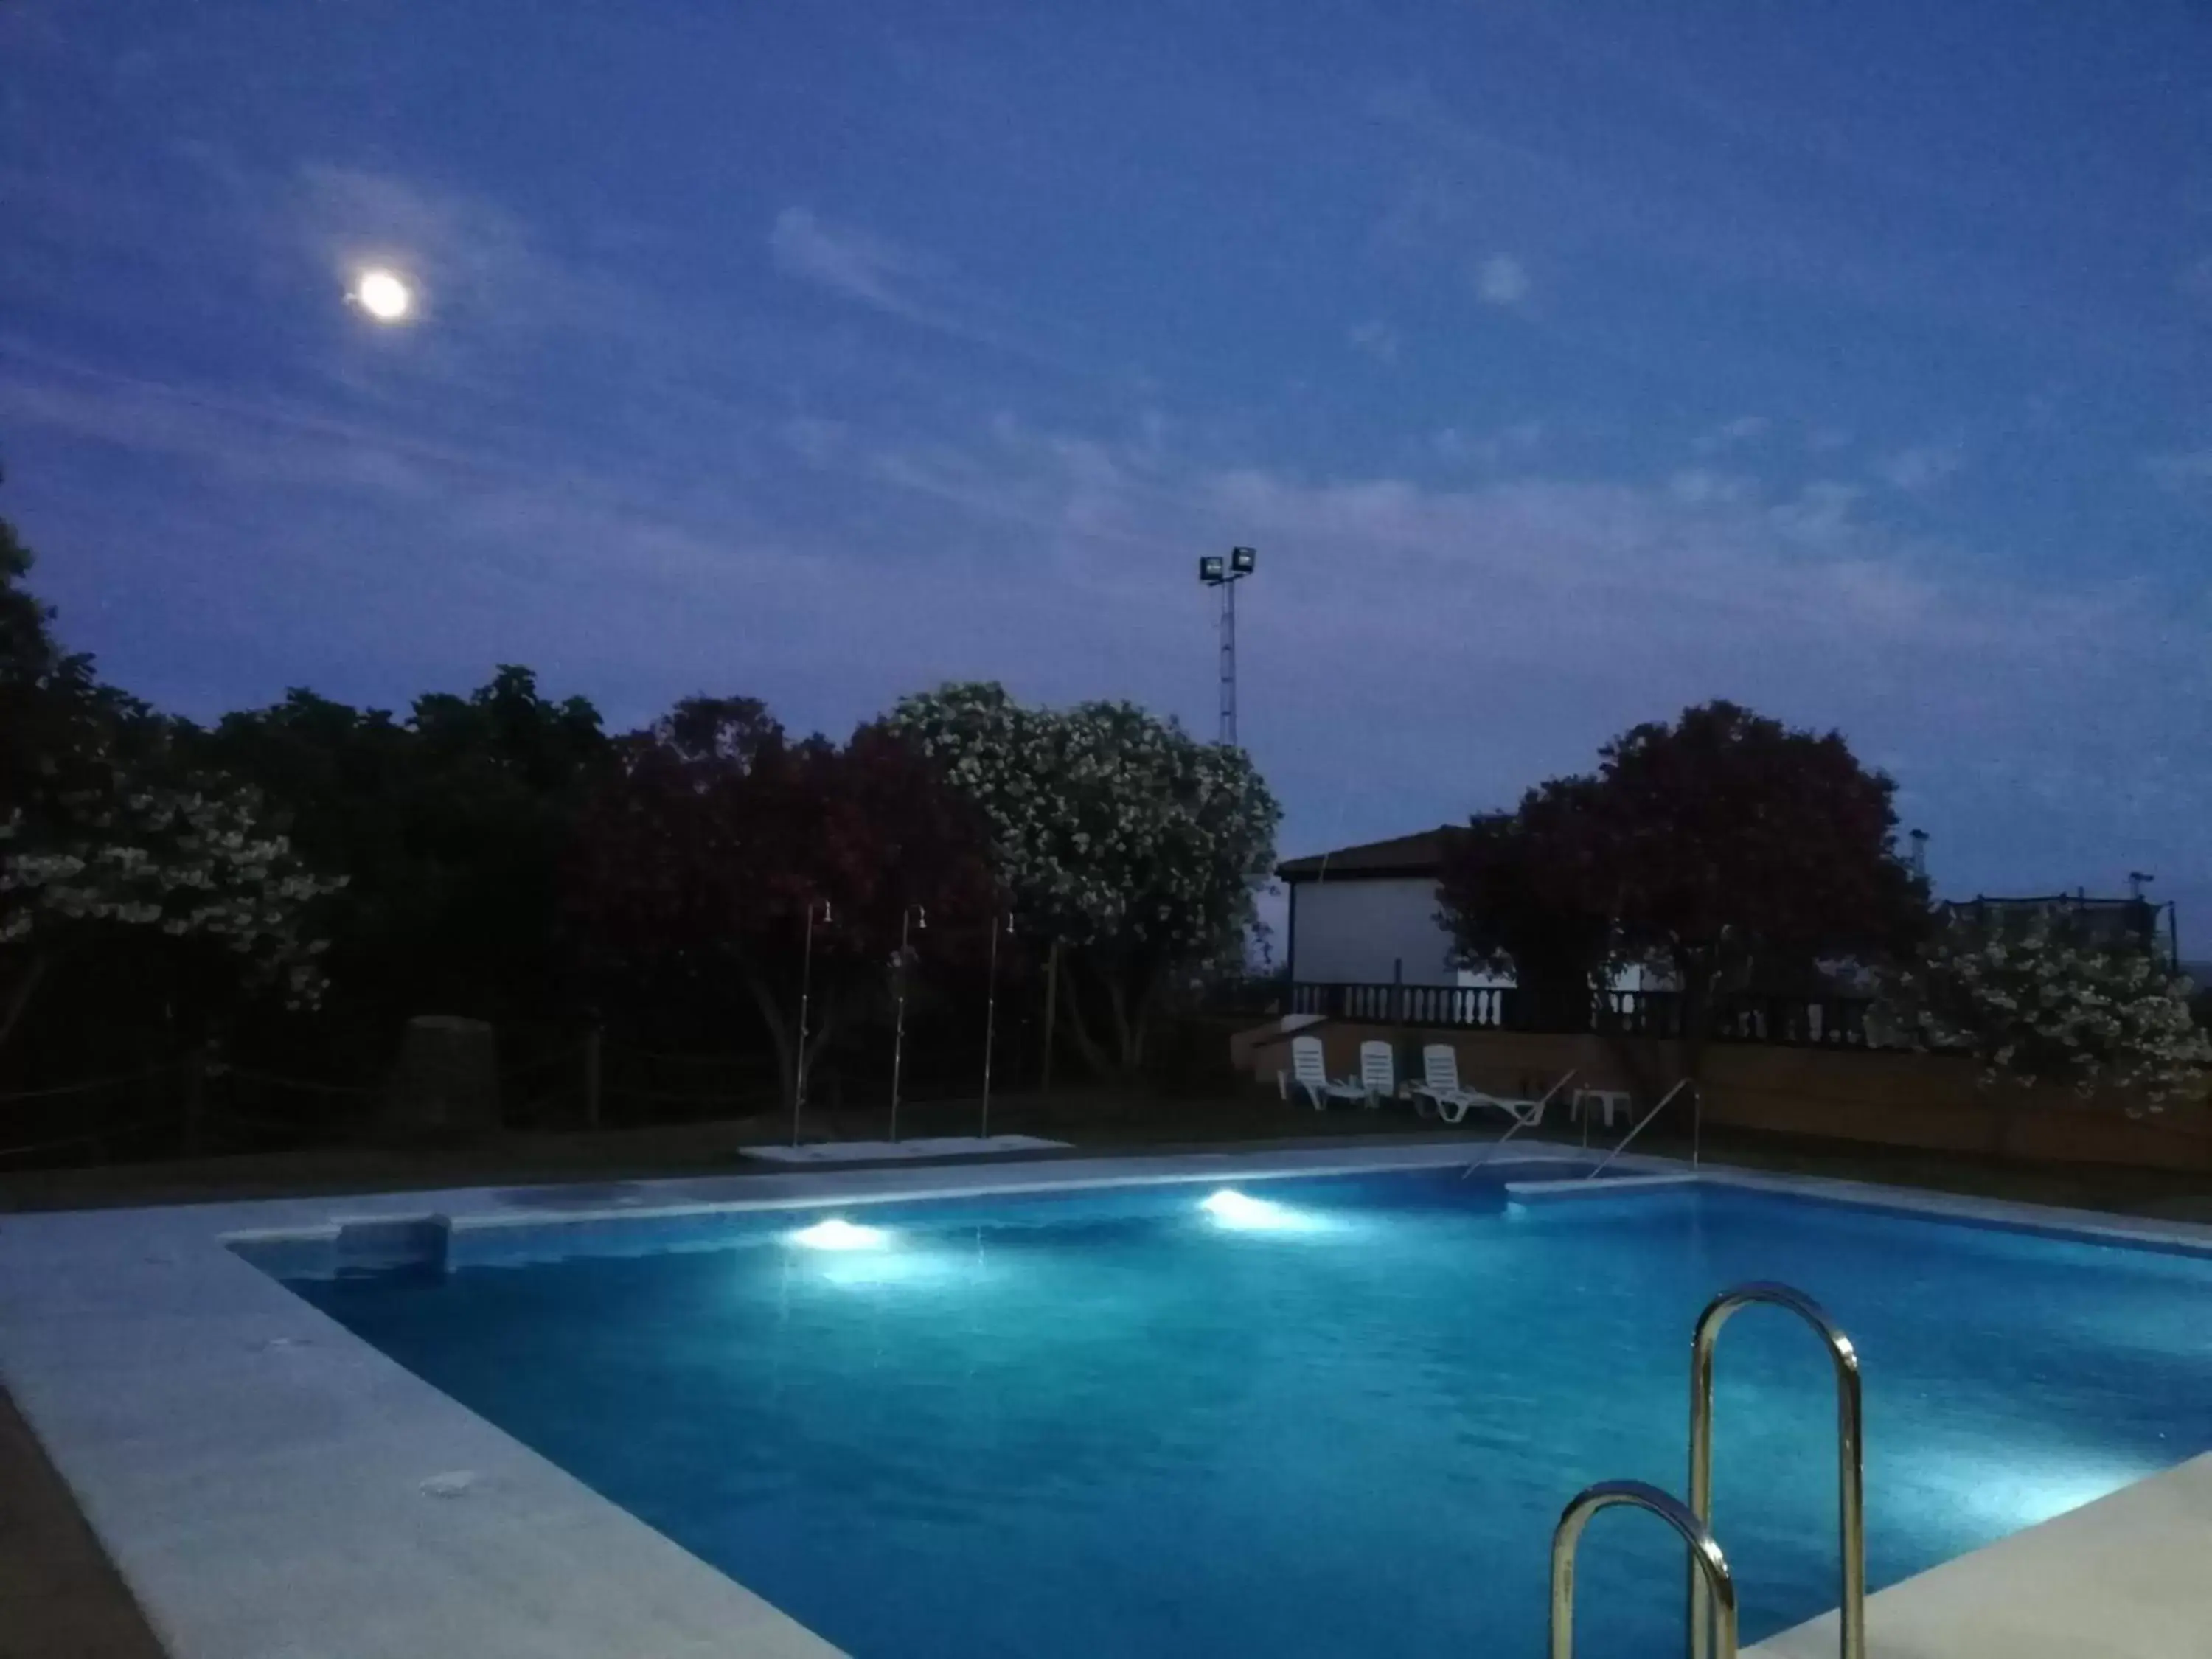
x=1115 y=832
x=2039 y=1005
x=192 y=862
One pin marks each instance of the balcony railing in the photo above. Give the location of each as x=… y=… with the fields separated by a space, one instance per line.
x=1814 y=1022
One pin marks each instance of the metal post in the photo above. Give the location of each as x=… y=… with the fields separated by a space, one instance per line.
x=1229 y=664
x=196 y=1070
x=991 y=1020
x=914 y=915
x=1638 y=1129
x=594 y=1042
x=1850 y=1497
x=1519 y=1124
x=806 y=987
x=1715 y=1630
x=1051 y=1014
x=1214 y=571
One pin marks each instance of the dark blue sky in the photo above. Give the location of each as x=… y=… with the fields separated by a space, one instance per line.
x=1566 y=364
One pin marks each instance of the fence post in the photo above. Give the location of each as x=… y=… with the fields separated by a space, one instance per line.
x=1051 y=1012
x=195 y=1100
x=591 y=1075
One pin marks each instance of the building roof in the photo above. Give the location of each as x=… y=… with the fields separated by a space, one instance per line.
x=1417 y=854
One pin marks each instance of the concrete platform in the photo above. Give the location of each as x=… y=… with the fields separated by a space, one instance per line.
x=2123 y=1577
x=1581 y=1189
x=889 y=1151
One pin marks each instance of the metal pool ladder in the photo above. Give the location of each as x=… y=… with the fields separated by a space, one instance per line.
x=1712 y=1618
x=1709 y=1568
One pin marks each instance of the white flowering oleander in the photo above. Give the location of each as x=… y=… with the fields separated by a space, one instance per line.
x=2043 y=1006
x=187 y=862
x=1111 y=826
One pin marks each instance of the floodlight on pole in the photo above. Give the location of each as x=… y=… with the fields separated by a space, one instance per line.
x=1215 y=571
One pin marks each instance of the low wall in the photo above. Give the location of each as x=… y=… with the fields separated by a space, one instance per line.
x=1887 y=1098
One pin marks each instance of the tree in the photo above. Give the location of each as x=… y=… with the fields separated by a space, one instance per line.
x=112 y=840
x=1514 y=893
x=196 y=863
x=699 y=859
x=1116 y=835
x=2040 y=1002
x=1727 y=847
x=1737 y=846
x=455 y=823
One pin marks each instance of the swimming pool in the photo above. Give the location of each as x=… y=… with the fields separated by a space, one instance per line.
x=1126 y=1420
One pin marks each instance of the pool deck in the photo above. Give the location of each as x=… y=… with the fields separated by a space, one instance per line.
x=272 y=1488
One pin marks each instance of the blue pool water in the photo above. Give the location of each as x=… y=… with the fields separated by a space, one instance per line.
x=1108 y=1423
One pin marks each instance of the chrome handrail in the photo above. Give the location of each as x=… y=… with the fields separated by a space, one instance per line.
x=1638 y=1129
x=1709 y=1568
x=1850 y=1471
x=1519 y=1123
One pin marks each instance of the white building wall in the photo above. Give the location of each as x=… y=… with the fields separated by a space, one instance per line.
x=1364 y=931
x=1360 y=932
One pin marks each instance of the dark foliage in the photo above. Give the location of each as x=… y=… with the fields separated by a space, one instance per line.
x=1726 y=848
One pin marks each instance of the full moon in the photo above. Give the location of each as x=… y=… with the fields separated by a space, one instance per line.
x=384 y=295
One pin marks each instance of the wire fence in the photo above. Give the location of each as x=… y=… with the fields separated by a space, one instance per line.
x=205 y=1104
x=202 y=1105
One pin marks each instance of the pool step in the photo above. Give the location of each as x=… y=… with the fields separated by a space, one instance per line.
x=1582 y=1187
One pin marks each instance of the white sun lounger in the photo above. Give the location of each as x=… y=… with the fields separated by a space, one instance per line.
x=1308 y=1074
x=1440 y=1086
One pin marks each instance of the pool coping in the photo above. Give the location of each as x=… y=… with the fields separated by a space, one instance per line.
x=272 y=1487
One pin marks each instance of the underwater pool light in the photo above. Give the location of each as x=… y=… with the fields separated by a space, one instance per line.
x=839 y=1234
x=1231 y=1208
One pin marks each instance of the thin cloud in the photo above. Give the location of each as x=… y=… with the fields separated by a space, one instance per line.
x=1702 y=486
x=1501 y=280
x=2188 y=474
x=1821 y=512
x=908 y=283
x=1377 y=339
x=852 y=263
x=1922 y=468
x=813 y=439
x=1744 y=429
x=1516 y=442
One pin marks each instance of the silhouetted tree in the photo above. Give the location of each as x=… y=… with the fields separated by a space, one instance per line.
x=1516 y=893
x=698 y=860
x=454 y=825
x=1726 y=846
x=119 y=850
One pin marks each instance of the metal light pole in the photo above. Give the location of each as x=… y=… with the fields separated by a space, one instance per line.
x=914 y=915
x=991 y=1016
x=1214 y=571
x=805 y=986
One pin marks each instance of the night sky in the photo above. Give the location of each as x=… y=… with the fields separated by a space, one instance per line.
x=1566 y=364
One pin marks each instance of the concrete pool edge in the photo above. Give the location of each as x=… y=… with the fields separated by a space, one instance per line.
x=256 y=1472
x=2120 y=1577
